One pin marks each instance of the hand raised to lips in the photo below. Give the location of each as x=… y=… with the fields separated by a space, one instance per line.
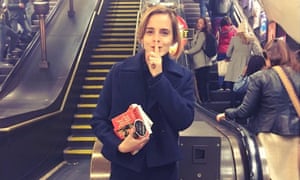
x=155 y=62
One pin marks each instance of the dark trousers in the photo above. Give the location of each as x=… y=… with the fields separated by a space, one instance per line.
x=166 y=172
x=202 y=78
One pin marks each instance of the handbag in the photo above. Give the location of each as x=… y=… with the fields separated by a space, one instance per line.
x=281 y=160
x=289 y=88
x=241 y=85
x=222 y=67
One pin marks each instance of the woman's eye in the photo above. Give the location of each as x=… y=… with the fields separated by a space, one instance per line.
x=149 y=31
x=165 y=32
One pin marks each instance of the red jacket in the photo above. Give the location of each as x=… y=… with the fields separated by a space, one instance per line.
x=225 y=35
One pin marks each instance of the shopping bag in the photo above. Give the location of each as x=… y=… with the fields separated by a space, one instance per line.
x=222 y=67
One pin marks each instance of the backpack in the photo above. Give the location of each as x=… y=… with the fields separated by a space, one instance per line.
x=210 y=46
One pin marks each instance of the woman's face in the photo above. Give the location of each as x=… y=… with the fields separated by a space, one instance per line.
x=200 y=24
x=158 y=35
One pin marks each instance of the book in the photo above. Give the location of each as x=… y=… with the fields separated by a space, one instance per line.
x=134 y=116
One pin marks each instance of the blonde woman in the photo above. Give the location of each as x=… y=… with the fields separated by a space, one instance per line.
x=238 y=53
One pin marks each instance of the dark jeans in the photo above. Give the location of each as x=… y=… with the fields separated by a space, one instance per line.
x=166 y=172
x=202 y=78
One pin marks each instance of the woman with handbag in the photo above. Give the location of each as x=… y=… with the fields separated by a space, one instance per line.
x=274 y=115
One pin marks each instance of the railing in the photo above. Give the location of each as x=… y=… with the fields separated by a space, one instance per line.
x=62 y=104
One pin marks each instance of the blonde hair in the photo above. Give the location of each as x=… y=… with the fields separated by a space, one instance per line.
x=159 y=9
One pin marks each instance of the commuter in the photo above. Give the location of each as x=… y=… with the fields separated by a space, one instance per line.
x=29 y=10
x=273 y=116
x=203 y=7
x=217 y=10
x=8 y=38
x=163 y=88
x=17 y=16
x=226 y=32
x=200 y=62
x=240 y=48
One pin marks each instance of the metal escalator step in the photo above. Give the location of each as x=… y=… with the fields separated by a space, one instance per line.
x=124 y=24
x=128 y=34
x=124 y=3
x=78 y=151
x=116 y=39
x=83 y=116
x=114 y=45
x=121 y=15
x=86 y=105
x=113 y=49
x=81 y=138
x=94 y=78
x=89 y=96
x=122 y=10
x=118 y=29
x=113 y=56
x=92 y=86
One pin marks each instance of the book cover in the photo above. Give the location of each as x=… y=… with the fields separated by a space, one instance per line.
x=133 y=116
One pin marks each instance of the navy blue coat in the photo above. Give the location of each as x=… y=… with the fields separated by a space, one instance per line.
x=168 y=99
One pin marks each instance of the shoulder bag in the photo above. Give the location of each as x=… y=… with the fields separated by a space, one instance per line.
x=241 y=85
x=289 y=88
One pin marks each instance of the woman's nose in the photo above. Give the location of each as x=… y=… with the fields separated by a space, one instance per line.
x=156 y=38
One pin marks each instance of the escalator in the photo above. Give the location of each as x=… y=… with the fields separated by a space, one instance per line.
x=113 y=43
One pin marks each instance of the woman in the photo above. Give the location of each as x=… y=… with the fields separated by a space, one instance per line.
x=238 y=54
x=200 y=62
x=226 y=32
x=273 y=117
x=163 y=88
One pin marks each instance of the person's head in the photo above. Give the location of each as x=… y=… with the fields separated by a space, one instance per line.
x=159 y=27
x=255 y=64
x=243 y=32
x=277 y=52
x=203 y=24
x=226 y=21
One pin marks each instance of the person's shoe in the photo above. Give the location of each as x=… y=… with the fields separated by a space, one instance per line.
x=227 y=89
x=221 y=89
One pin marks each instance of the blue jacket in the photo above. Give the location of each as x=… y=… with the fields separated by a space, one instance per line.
x=168 y=99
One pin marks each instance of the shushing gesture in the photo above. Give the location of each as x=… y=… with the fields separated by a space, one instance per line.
x=154 y=62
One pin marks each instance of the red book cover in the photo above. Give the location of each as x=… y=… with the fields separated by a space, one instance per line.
x=132 y=117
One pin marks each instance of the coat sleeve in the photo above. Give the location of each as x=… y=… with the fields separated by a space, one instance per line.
x=197 y=46
x=177 y=103
x=250 y=102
